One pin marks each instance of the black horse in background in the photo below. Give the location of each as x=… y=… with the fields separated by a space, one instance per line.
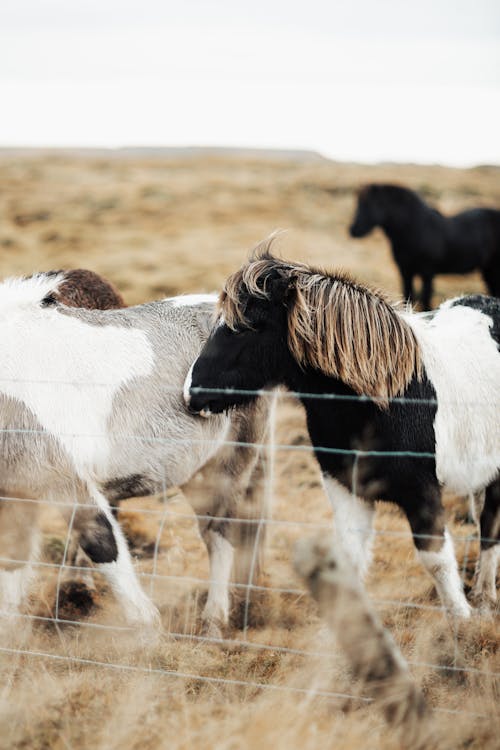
x=425 y=243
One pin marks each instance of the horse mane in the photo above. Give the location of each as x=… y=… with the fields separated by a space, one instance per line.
x=335 y=325
x=84 y=288
x=400 y=195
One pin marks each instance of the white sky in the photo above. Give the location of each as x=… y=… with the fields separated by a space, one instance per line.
x=362 y=80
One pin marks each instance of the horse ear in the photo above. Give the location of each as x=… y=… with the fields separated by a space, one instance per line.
x=282 y=288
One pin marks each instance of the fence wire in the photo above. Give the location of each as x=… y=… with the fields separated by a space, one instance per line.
x=168 y=515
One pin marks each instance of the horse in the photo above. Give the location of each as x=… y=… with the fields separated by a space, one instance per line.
x=398 y=404
x=91 y=413
x=425 y=243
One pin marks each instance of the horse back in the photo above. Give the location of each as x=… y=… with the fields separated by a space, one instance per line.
x=473 y=239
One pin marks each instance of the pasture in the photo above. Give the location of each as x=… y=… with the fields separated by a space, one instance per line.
x=158 y=227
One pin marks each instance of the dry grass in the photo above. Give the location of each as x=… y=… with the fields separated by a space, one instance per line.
x=158 y=227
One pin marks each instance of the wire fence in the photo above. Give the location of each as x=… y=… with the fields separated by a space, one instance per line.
x=167 y=516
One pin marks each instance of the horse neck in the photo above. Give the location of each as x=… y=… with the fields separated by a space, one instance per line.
x=398 y=217
x=307 y=380
x=336 y=416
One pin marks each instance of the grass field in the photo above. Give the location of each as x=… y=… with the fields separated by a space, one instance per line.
x=158 y=227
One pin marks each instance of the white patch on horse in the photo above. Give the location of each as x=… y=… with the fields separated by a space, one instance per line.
x=442 y=566
x=353 y=518
x=188 y=300
x=187 y=386
x=221 y=563
x=83 y=367
x=14 y=584
x=187 y=396
x=462 y=362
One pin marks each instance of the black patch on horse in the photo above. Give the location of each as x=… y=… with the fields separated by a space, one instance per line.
x=134 y=485
x=49 y=301
x=98 y=540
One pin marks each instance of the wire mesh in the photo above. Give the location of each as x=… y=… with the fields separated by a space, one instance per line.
x=167 y=515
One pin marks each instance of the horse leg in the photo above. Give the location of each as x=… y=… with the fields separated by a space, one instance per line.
x=215 y=614
x=210 y=494
x=19 y=544
x=249 y=536
x=408 y=289
x=233 y=487
x=426 y=296
x=435 y=549
x=102 y=540
x=491 y=278
x=476 y=505
x=484 y=591
x=353 y=518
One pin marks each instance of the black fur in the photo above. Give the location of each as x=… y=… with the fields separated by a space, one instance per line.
x=258 y=357
x=134 y=485
x=49 y=301
x=228 y=360
x=425 y=243
x=490 y=517
x=98 y=540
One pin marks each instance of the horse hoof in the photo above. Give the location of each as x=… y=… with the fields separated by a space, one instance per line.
x=144 y=614
x=461 y=613
x=484 y=605
x=212 y=630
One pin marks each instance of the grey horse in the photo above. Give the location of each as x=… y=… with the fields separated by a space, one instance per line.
x=91 y=412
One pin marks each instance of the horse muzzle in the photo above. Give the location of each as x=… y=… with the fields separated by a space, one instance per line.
x=197 y=405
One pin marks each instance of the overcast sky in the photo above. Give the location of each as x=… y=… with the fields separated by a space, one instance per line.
x=362 y=80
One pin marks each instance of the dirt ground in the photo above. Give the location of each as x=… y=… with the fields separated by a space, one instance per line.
x=159 y=227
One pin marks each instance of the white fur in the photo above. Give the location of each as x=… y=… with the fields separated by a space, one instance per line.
x=13 y=587
x=14 y=584
x=83 y=368
x=187 y=386
x=19 y=292
x=187 y=396
x=353 y=519
x=187 y=300
x=442 y=566
x=221 y=563
x=462 y=362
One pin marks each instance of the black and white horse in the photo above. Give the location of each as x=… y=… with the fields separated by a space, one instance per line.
x=430 y=413
x=91 y=412
x=425 y=243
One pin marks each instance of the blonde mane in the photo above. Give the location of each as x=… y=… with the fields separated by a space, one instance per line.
x=335 y=325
